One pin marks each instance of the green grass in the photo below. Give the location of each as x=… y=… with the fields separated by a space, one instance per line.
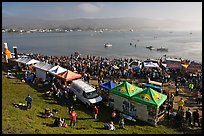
x=17 y=121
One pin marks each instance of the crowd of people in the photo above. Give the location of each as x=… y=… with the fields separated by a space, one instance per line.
x=102 y=68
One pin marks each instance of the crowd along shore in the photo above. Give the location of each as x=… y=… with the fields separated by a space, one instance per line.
x=167 y=71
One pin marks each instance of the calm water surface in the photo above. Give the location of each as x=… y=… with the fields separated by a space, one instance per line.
x=180 y=44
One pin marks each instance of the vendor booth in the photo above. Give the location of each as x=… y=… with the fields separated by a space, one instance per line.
x=147 y=103
x=108 y=85
x=22 y=60
x=136 y=102
x=38 y=71
x=68 y=76
x=120 y=97
x=57 y=70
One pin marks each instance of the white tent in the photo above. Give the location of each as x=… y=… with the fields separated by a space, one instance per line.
x=172 y=60
x=39 y=72
x=22 y=60
x=47 y=67
x=56 y=70
x=150 y=65
x=32 y=61
x=39 y=65
x=19 y=61
x=135 y=63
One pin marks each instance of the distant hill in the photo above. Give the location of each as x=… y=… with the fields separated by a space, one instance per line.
x=111 y=23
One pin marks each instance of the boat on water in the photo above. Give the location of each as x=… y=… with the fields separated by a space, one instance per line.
x=162 y=49
x=107 y=45
x=149 y=47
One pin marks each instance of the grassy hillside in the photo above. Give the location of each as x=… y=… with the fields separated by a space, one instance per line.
x=17 y=121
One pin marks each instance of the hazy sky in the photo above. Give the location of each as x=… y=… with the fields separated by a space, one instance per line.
x=184 y=11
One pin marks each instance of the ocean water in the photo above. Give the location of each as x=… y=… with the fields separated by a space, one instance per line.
x=180 y=44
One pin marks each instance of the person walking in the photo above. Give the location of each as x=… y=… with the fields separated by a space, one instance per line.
x=95 y=112
x=188 y=116
x=73 y=118
x=29 y=101
x=180 y=104
x=196 y=117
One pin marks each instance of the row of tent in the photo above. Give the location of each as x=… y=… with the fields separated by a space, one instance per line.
x=139 y=103
x=43 y=68
x=146 y=96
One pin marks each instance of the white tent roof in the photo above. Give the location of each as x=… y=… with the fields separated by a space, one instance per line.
x=39 y=64
x=47 y=67
x=57 y=69
x=23 y=60
x=172 y=60
x=19 y=59
x=165 y=65
x=32 y=61
x=151 y=64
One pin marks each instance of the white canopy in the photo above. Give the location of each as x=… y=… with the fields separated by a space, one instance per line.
x=150 y=64
x=56 y=70
x=47 y=67
x=154 y=82
x=135 y=63
x=22 y=60
x=39 y=64
x=32 y=61
x=172 y=60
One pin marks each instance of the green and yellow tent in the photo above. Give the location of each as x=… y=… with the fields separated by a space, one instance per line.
x=150 y=97
x=126 y=89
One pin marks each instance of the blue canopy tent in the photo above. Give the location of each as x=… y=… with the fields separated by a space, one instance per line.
x=108 y=85
x=157 y=88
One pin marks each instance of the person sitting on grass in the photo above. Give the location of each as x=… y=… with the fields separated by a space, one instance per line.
x=109 y=126
x=48 y=113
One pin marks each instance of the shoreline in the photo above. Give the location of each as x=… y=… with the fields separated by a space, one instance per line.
x=110 y=57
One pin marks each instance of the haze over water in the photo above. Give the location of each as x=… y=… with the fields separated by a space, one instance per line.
x=180 y=44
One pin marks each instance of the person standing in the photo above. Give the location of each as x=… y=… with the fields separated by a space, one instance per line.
x=188 y=116
x=70 y=109
x=113 y=116
x=29 y=101
x=180 y=104
x=95 y=112
x=121 y=121
x=73 y=118
x=177 y=91
x=196 y=117
x=172 y=100
x=168 y=108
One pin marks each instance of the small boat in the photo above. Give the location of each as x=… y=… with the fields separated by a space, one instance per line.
x=107 y=45
x=149 y=47
x=162 y=49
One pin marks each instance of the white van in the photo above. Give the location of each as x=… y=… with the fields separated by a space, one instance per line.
x=85 y=92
